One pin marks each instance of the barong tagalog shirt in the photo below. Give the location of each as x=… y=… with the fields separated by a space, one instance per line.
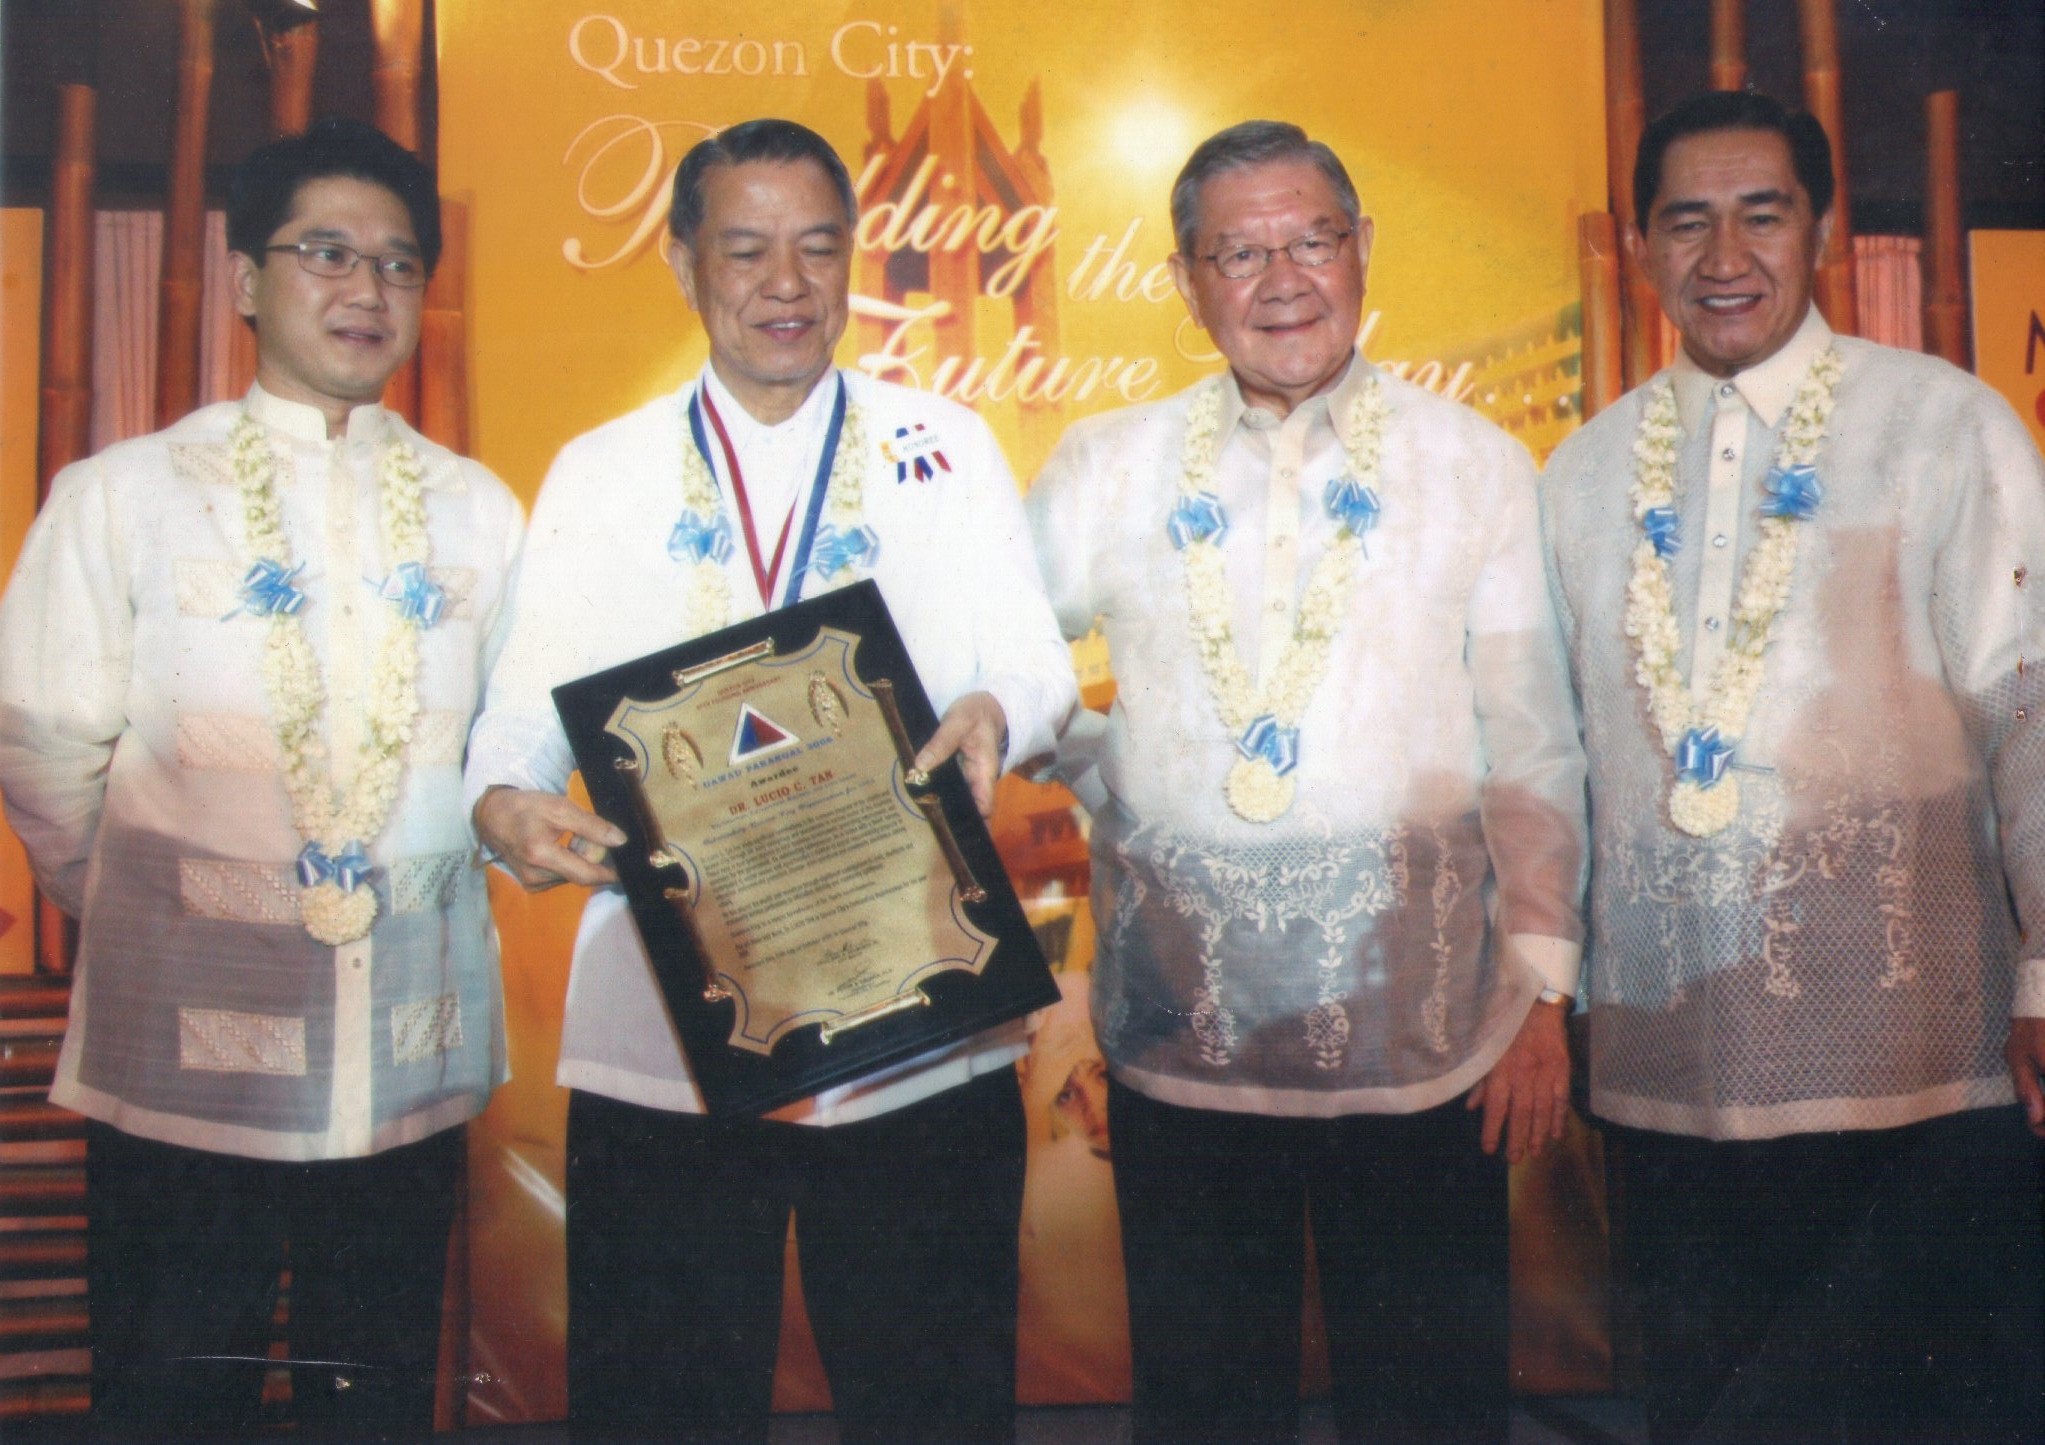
x=598 y=587
x=1845 y=955
x=1378 y=945
x=142 y=770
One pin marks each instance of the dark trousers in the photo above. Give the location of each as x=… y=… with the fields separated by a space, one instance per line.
x=1881 y=1285
x=184 y=1250
x=907 y=1233
x=1409 y=1226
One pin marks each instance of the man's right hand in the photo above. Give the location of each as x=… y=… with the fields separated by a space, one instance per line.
x=544 y=839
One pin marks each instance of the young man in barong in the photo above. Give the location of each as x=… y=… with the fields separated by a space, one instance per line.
x=238 y=663
x=1796 y=571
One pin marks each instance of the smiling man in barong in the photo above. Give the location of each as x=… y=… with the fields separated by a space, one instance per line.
x=774 y=477
x=1337 y=834
x=238 y=663
x=1795 y=570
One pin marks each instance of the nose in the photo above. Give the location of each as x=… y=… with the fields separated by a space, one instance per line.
x=784 y=280
x=364 y=284
x=1283 y=278
x=1724 y=256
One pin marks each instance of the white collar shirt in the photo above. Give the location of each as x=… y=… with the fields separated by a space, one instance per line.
x=142 y=771
x=1340 y=959
x=599 y=588
x=1845 y=954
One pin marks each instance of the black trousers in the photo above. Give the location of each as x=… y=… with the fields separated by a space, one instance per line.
x=907 y=1232
x=183 y=1253
x=1409 y=1226
x=1881 y=1285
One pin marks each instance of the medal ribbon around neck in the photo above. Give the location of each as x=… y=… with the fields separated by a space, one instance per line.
x=702 y=537
x=1702 y=732
x=1265 y=723
x=334 y=902
x=764 y=571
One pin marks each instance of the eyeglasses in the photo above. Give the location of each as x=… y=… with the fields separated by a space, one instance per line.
x=333 y=260
x=1240 y=263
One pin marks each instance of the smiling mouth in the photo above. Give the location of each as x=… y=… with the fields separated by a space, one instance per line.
x=1727 y=305
x=790 y=326
x=358 y=336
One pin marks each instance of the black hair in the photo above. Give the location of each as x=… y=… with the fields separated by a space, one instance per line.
x=267 y=183
x=752 y=140
x=1810 y=153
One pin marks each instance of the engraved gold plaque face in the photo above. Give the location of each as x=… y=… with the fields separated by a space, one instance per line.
x=812 y=911
x=815 y=882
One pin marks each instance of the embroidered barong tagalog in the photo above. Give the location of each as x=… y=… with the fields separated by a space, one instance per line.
x=701 y=539
x=1265 y=723
x=334 y=903
x=1702 y=733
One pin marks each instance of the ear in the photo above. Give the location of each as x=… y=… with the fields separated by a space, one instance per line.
x=1635 y=244
x=1824 y=231
x=1366 y=233
x=242 y=272
x=1182 y=277
x=682 y=261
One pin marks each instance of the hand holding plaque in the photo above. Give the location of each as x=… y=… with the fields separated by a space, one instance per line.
x=814 y=911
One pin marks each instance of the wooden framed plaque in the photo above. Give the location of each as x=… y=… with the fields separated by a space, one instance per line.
x=815 y=911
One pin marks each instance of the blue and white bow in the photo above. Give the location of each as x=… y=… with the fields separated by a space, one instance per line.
x=420 y=599
x=1352 y=504
x=1702 y=757
x=835 y=551
x=267 y=589
x=1664 y=528
x=1265 y=739
x=349 y=870
x=1792 y=492
x=697 y=538
x=1197 y=518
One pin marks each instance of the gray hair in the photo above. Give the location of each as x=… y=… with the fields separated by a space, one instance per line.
x=1252 y=143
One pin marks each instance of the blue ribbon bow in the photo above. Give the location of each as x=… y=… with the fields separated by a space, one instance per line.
x=1702 y=758
x=1664 y=528
x=1792 y=492
x=697 y=538
x=349 y=870
x=419 y=598
x=1265 y=739
x=1352 y=504
x=1197 y=518
x=835 y=550
x=266 y=590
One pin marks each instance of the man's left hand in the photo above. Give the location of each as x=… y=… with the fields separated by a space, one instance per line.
x=1525 y=1097
x=975 y=728
x=2026 y=1054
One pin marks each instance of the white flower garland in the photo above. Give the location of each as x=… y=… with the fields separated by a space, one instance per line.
x=844 y=508
x=334 y=914
x=1703 y=808
x=1256 y=790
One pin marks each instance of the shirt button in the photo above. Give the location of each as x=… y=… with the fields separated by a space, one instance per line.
x=1285 y=474
x=1278 y=604
x=1727 y=454
x=1725 y=388
x=1711 y=624
x=1720 y=540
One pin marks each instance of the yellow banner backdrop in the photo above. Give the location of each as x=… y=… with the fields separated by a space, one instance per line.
x=2008 y=274
x=1014 y=164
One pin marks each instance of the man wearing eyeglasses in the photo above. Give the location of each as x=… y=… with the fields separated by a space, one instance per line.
x=238 y=663
x=1337 y=834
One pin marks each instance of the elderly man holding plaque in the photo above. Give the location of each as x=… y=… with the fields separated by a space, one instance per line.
x=1799 y=574
x=1338 y=834
x=772 y=477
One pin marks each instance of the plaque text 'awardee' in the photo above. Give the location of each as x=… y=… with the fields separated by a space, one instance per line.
x=812 y=915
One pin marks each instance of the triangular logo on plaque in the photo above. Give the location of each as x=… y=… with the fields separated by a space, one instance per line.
x=757 y=733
